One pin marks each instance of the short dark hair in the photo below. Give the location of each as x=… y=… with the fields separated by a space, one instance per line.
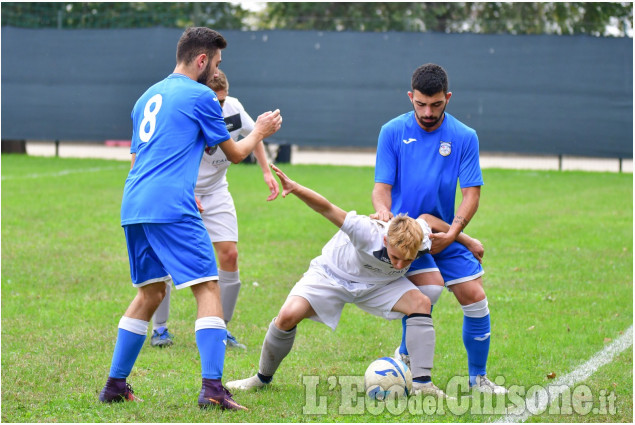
x=218 y=83
x=198 y=40
x=430 y=79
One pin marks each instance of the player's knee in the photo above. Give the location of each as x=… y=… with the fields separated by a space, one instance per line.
x=154 y=294
x=419 y=303
x=287 y=319
x=422 y=305
x=471 y=294
x=228 y=258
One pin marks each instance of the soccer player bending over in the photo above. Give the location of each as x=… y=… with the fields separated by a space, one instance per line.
x=364 y=264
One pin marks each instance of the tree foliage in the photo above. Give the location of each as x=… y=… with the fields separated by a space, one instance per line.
x=478 y=17
x=123 y=15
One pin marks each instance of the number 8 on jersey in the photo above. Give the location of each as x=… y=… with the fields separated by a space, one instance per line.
x=150 y=117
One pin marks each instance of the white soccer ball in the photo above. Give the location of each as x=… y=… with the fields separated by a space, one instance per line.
x=388 y=378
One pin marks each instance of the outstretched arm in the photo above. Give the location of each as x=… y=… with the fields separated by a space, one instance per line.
x=440 y=227
x=319 y=203
x=270 y=180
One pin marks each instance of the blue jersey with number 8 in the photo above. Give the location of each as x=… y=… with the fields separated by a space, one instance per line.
x=171 y=124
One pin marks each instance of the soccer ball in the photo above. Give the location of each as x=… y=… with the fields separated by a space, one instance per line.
x=387 y=378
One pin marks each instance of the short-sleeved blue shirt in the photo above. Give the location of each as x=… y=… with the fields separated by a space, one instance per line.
x=424 y=167
x=171 y=124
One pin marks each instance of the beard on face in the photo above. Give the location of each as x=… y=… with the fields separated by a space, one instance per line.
x=435 y=121
x=205 y=75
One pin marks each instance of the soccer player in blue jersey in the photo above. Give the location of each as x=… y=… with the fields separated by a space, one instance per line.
x=173 y=121
x=219 y=213
x=420 y=157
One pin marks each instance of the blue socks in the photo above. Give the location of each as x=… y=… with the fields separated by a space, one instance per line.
x=476 y=338
x=130 y=338
x=211 y=340
x=402 y=347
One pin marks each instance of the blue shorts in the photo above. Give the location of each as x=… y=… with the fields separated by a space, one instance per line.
x=181 y=251
x=456 y=264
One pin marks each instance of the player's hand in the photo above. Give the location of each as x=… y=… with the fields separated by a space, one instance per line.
x=440 y=241
x=272 y=183
x=198 y=204
x=383 y=215
x=268 y=123
x=476 y=248
x=287 y=184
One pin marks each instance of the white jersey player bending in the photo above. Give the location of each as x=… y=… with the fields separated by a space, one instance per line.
x=218 y=212
x=364 y=264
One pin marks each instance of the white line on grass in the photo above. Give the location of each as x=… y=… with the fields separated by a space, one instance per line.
x=63 y=172
x=541 y=399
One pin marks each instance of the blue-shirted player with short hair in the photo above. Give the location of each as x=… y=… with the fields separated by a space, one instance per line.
x=173 y=121
x=420 y=157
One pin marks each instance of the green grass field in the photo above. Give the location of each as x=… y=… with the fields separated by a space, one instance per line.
x=558 y=261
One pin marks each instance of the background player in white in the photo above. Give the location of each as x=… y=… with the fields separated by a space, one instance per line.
x=172 y=122
x=420 y=157
x=218 y=211
x=365 y=264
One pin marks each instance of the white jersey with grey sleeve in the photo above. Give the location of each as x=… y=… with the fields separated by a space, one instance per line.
x=357 y=252
x=214 y=164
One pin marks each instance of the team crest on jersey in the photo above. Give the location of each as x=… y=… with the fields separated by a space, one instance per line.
x=211 y=149
x=446 y=148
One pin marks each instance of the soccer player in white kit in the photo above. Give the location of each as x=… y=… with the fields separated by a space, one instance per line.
x=364 y=263
x=218 y=211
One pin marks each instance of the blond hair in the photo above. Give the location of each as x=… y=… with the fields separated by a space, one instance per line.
x=218 y=83
x=405 y=234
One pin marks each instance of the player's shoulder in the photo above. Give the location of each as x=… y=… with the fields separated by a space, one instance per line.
x=396 y=127
x=180 y=81
x=379 y=225
x=178 y=86
x=400 y=120
x=459 y=126
x=233 y=105
x=363 y=228
x=231 y=100
x=354 y=220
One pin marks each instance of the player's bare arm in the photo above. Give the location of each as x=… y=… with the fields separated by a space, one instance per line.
x=382 y=201
x=270 y=180
x=317 y=202
x=439 y=226
x=132 y=159
x=266 y=125
x=465 y=212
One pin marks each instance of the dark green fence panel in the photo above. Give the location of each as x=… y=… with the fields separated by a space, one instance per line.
x=569 y=95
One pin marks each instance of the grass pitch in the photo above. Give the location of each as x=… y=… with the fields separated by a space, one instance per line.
x=558 y=261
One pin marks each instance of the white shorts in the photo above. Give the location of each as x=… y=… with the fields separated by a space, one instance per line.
x=219 y=216
x=328 y=294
